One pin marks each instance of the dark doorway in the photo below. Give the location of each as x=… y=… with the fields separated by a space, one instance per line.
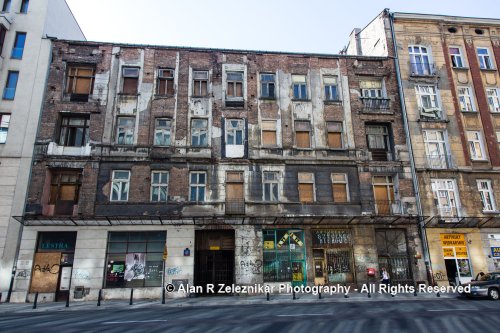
x=451 y=271
x=214 y=259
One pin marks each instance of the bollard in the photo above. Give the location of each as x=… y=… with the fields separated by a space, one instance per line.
x=99 y=297
x=438 y=294
x=67 y=301
x=131 y=296
x=415 y=290
x=369 y=295
x=0 y=297
x=36 y=300
x=294 y=295
x=346 y=296
x=319 y=294
x=393 y=295
x=267 y=296
x=163 y=296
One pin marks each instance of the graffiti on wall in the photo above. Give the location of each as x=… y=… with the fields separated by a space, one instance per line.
x=251 y=266
x=174 y=270
x=80 y=274
x=23 y=274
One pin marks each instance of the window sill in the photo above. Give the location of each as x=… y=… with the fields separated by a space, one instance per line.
x=332 y=101
x=301 y=100
x=164 y=96
x=488 y=69
x=16 y=58
x=128 y=95
x=267 y=98
x=496 y=113
x=195 y=96
x=491 y=212
x=461 y=68
x=433 y=120
x=479 y=161
x=469 y=111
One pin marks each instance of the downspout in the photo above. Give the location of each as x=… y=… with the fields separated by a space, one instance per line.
x=421 y=226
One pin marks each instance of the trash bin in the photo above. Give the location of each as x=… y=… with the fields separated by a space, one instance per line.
x=78 y=292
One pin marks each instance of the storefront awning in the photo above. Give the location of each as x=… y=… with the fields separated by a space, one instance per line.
x=463 y=222
x=31 y=220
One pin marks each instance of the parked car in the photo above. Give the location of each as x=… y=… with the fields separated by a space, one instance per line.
x=487 y=285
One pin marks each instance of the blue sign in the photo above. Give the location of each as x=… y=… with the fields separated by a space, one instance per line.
x=495 y=251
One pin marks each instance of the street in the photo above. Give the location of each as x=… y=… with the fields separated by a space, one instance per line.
x=436 y=315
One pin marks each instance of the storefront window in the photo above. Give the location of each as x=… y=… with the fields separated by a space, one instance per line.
x=135 y=259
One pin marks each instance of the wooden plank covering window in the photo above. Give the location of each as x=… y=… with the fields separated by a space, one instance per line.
x=303 y=140
x=306 y=193
x=339 y=193
x=269 y=133
x=335 y=140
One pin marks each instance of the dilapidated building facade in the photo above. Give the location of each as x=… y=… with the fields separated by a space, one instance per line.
x=159 y=165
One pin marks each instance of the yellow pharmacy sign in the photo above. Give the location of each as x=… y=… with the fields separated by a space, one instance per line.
x=452 y=239
x=448 y=252
x=461 y=252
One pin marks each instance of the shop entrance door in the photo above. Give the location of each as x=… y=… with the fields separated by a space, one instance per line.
x=64 y=283
x=451 y=271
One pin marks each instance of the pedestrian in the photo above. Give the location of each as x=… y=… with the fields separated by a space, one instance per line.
x=479 y=276
x=385 y=278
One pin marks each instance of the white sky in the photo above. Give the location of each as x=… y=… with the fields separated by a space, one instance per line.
x=321 y=26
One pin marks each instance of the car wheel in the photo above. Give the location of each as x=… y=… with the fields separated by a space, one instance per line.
x=493 y=294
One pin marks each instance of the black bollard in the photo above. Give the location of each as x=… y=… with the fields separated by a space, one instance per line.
x=438 y=294
x=131 y=296
x=294 y=295
x=369 y=295
x=0 y=297
x=267 y=296
x=346 y=296
x=319 y=294
x=163 y=296
x=99 y=297
x=36 y=300
x=67 y=301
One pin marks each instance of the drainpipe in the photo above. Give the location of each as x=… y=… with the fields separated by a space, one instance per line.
x=421 y=226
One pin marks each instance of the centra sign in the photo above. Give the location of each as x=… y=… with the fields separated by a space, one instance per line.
x=54 y=246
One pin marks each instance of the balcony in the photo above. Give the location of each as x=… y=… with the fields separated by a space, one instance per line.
x=441 y=161
x=235 y=206
x=447 y=211
x=430 y=114
x=422 y=69
x=388 y=207
x=381 y=155
x=375 y=104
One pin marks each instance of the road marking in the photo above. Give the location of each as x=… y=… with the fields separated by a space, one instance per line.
x=453 y=310
x=303 y=314
x=132 y=321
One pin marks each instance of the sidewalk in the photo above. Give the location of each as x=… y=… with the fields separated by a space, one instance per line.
x=215 y=301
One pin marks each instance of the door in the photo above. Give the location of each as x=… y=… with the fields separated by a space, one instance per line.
x=384 y=196
x=64 y=283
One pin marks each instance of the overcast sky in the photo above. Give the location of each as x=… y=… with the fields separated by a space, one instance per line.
x=319 y=26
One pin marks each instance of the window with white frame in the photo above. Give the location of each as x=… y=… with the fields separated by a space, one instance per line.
x=340 y=187
x=162 y=132
x=299 y=86
x=306 y=187
x=125 y=128
x=371 y=88
x=420 y=60
x=120 y=185
x=466 y=99
x=476 y=145
x=235 y=132
x=493 y=96
x=446 y=197
x=159 y=186
x=199 y=132
x=197 y=186
x=484 y=58
x=331 y=88
x=4 y=127
x=270 y=181
x=456 y=57
x=486 y=191
x=435 y=149
x=428 y=102
x=267 y=85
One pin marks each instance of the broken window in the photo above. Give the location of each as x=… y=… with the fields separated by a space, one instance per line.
x=159 y=186
x=235 y=131
x=197 y=185
x=331 y=88
x=165 y=82
x=130 y=80
x=466 y=99
x=299 y=86
x=269 y=133
x=125 y=130
x=456 y=57
x=74 y=131
x=18 y=49
x=476 y=145
x=303 y=134
x=335 y=140
x=80 y=82
x=200 y=83
x=4 y=127
x=234 y=84
x=64 y=191
x=120 y=185
x=378 y=142
x=267 y=85
x=199 y=132
x=340 y=187
x=162 y=132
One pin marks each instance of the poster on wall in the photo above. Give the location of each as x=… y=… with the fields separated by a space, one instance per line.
x=135 y=263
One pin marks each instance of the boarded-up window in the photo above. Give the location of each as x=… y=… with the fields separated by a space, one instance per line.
x=306 y=187
x=303 y=134
x=335 y=135
x=234 y=84
x=269 y=133
x=165 y=82
x=80 y=80
x=340 y=187
x=200 y=83
x=130 y=80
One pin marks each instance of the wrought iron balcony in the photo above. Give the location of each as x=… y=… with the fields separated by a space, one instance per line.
x=422 y=69
x=371 y=104
x=235 y=206
x=441 y=161
x=381 y=155
x=447 y=211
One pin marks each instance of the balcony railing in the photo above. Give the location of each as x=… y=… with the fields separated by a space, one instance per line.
x=381 y=155
x=429 y=114
x=422 y=69
x=235 y=206
x=441 y=161
x=375 y=104
x=388 y=207
x=448 y=211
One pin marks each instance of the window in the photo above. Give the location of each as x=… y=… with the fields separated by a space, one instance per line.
x=165 y=82
x=476 y=147
x=6 y=6
x=270 y=183
x=483 y=55
x=371 y=88
x=125 y=131
x=487 y=197
x=234 y=131
x=199 y=132
x=197 y=185
x=493 y=96
x=456 y=57
x=420 y=60
x=331 y=88
x=299 y=87
x=466 y=99
x=335 y=135
x=162 y=132
x=18 y=49
x=135 y=259
x=498 y=137
x=120 y=185
x=269 y=137
x=340 y=188
x=235 y=192
x=378 y=142
x=445 y=196
x=303 y=134
x=130 y=80
x=80 y=82
x=427 y=99
x=267 y=85
x=234 y=85
x=64 y=191
x=3 y=32
x=4 y=127
x=306 y=187
x=435 y=149
x=159 y=186
x=200 y=83
x=384 y=195
x=10 y=87
x=24 y=6
x=74 y=131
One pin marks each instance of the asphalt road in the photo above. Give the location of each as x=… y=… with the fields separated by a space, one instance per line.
x=454 y=315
